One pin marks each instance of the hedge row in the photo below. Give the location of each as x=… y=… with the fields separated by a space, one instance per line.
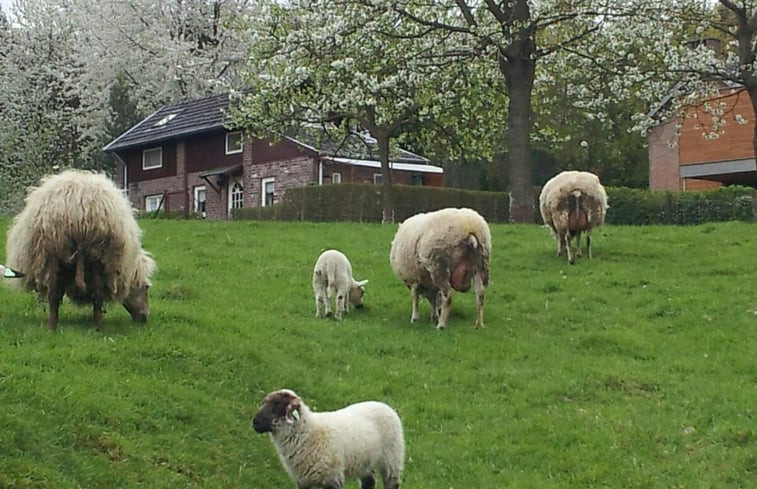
x=362 y=203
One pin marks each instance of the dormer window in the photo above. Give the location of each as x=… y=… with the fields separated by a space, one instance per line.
x=165 y=120
x=233 y=142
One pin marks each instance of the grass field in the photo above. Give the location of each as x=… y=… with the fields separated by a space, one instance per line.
x=637 y=369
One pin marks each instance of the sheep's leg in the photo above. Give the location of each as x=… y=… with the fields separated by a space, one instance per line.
x=588 y=242
x=368 y=482
x=415 y=316
x=329 y=297
x=446 y=305
x=340 y=300
x=54 y=297
x=566 y=239
x=97 y=312
x=480 y=289
x=391 y=481
x=578 y=243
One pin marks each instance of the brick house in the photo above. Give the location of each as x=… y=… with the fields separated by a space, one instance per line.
x=183 y=158
x=687 y=160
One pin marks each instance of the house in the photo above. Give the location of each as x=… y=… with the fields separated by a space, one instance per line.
x=682 y=157
x=183 y=158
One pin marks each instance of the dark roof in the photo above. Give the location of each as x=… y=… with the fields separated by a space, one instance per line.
x=209 y=114
x=174 y=120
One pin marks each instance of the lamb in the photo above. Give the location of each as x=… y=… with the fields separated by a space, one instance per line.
x=572 y=202
x=77 y=236
x=435 y=252
x=327 y=448
x=332 y=276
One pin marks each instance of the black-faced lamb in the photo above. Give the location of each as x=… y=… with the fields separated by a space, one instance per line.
x=436 y=252
x=77 y=236
x=570 y=203
x=324 y=449
x=332 y=278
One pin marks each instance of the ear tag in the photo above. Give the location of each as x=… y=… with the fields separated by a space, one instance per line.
x=296 y=414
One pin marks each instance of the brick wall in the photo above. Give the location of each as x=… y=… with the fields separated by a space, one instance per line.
x=294 y=172
x=735 y=141
x=663 y=157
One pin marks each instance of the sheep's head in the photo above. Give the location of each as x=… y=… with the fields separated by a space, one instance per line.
x=467 y=258
x=356 y=293
x=136 y=302
x=278 y=409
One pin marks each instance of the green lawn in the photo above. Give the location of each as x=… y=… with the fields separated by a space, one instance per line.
x=637 y=369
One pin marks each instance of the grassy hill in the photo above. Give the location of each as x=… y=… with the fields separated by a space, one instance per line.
x=633 y=370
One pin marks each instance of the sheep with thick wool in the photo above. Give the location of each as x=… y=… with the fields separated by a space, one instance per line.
x=324 y=449
x=77 y=236
x=332 y=278
x=436 y=252
x=572 y=202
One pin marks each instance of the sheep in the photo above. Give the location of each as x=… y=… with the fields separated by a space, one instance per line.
x=435 y=252
x=572 y=202
x=77 y=236
x=327 y=448
x=332 y=275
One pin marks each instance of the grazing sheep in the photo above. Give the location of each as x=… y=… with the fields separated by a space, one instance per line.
x=572 y=202
x=77 y=236
x=332 y=276
x=436 y=252
x=326 y=449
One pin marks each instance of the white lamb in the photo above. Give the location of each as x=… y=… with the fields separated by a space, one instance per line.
x=572 y=202
x=435 y=252
x=332 y=277
x=326 y=449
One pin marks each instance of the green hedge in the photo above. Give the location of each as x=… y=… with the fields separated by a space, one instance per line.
x=637 y=206
x=362 y=203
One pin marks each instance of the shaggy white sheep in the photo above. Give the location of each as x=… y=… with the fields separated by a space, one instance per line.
x=435 y=252
x=572 y=202
x=332 y=277
x=77 y=236
x=327 y=448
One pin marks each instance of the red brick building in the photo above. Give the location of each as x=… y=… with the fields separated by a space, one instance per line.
x=687 y=160
x=184 y=159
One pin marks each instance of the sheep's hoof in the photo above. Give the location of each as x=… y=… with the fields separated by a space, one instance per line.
x=328 y=314
x=440 y=327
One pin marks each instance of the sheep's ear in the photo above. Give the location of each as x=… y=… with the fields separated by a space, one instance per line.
x=293 y=411
x=362 y=283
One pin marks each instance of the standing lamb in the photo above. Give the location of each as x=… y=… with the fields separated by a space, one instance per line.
x=77 y=236
x=572 y=202
x=435 y=252
x=332 y=276
x=327 y=448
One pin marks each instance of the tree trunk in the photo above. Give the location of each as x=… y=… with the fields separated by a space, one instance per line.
x=387 y=213
x=518 y=69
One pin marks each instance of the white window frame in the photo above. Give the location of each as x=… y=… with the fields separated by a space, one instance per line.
x=336 y=177
x=157 y=199
x=263 y=183
x=235 y=197
x=229 y=135
x=197 y=190
x=378 y=178
x=159 y=150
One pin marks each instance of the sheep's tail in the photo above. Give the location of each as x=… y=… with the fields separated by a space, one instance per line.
x=79 y=276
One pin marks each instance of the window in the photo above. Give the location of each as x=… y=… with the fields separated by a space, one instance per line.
x=199 y=202
x=267 y=186
x=336 y=177
x=378 y=178
x=233 y=142
x=152 y=158
x=165 y=120
x=153 y=202
x=236 y=195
